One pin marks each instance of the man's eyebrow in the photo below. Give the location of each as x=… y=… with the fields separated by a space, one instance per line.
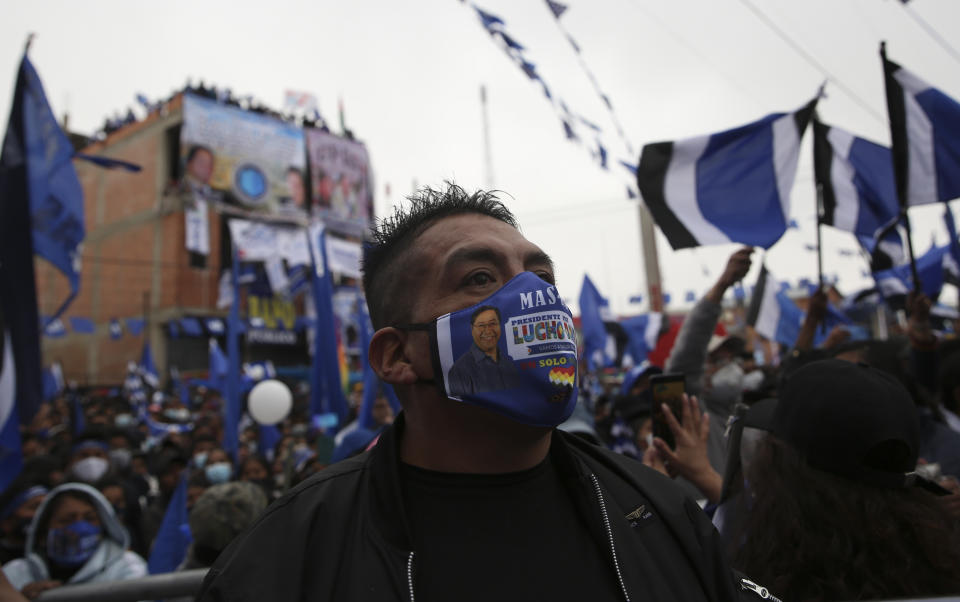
x=474 y=254
x=538 y=258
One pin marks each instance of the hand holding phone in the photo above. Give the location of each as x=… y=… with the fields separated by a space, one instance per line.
x=667 y=389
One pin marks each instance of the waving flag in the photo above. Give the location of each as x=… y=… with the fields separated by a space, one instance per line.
x=146 y=368
x=173 y=538
x=856 y=178
x=925 y=130
x=326 y=389
x=643 y=332
x=951 y=262
x=733 y=186
x=930 y=269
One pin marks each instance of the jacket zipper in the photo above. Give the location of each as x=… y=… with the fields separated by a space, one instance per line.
x=606 y=524
x=410 y=575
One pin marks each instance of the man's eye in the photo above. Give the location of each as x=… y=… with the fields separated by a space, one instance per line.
x=547 y=276
x=478 y=279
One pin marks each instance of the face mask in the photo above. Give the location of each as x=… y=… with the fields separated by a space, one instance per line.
x=514 y=353
x=90 y=469
x=727 y=383
x=73 y=545
x=120 y=457
x=200 y=459
x=123 y=420
x=177 y=415
x=218 y=473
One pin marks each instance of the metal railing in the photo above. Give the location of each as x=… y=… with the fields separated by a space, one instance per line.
x=154 y=587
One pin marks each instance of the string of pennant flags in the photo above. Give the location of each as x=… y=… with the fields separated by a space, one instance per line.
x=577 y=129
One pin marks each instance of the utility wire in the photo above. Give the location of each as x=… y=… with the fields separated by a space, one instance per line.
x=812 y=61
x=933 y=33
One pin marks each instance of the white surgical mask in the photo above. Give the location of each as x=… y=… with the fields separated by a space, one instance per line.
x=90 y=469
x=120 y=457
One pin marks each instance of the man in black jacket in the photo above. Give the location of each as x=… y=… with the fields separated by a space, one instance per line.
x=461 y=499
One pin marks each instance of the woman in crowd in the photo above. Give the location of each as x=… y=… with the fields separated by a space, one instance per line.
x=74 y=538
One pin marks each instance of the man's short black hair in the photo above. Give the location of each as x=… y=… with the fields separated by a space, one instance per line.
x=383 y=281
x=483 y=308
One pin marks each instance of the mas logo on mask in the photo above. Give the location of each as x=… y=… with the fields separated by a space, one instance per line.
x=514 y=353
x=73 y=545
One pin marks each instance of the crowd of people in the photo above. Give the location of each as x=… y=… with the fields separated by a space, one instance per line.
x=101 y=468
x=831 y=476
x=224 y=96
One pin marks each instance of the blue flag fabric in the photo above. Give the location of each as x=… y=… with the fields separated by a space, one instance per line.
x=108 y=163
x=116 y=329
x=952 y=261
x=269 y=437
x=326 y=390
x=191 y=327
x=925 y=131
x=775 y=316
x=147 y=369
x=593 y=306
x=898 y=281
x=135 y=325
x=82 y=325
x=53 y=328
x=371 y=382
x=218 y=368
x=733 y=186
x=11 y=456
x=173 y=538
x=52 y=382
x=556 y=8
x=643 y=332
x=56 y=198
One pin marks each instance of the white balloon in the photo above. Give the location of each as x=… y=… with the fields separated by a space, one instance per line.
x=269 y=401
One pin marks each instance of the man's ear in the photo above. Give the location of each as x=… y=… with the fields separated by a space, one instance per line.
x=388 y=358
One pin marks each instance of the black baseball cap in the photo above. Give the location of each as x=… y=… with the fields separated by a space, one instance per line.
x=851 y=420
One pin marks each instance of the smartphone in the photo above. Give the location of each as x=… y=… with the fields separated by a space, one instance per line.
x=667 y=389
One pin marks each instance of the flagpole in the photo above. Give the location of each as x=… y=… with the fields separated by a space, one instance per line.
x=819 y=235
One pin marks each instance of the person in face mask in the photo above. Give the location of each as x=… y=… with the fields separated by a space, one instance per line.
x=462 y=496
x=218 y=467
x=255 y=469
x=90 y=461
x=74 y=538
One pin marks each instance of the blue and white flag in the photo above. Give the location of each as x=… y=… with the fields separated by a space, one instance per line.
x=41 y=211
x=643 y=332
x=54 y=328
x=772 y=313
x=898 y=281
x=11 y=456
x=925 y=130
x=147 y=369
x=856 y=180
x=116 y=329
x=52 y=381
x=733 y=186
x=173 y=538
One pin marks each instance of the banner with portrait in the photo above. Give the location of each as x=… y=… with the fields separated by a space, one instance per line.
x=253 y=160
x=340 y=181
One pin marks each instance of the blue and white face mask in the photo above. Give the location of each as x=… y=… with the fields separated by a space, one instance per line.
x=514 y=353
x=74 y=544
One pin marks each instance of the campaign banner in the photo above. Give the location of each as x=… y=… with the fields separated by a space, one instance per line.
x=272 y=320
x=260 y=241
x=343 y=256
x=339 y=180
x=250 y=159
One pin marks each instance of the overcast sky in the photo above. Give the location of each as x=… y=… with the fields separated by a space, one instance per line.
x=409 y=75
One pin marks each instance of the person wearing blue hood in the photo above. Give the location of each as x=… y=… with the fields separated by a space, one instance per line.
x=75 y=537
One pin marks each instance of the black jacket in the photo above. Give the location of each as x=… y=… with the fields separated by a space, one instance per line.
x=342 y=534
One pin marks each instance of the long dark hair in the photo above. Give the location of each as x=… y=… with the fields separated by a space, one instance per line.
x=811 y=535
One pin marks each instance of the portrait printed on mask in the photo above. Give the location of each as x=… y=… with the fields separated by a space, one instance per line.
x=484 y=366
